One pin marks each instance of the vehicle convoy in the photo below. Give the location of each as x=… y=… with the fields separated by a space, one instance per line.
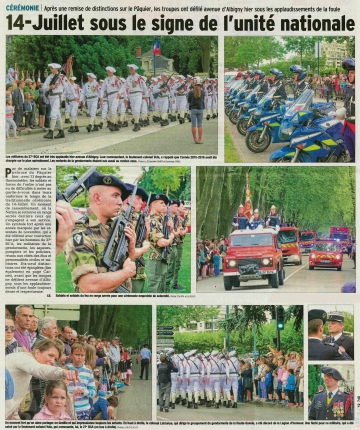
x=307 y=241
x=289 y=238
x=326 y=254
x=253 y=254
x=341 y=234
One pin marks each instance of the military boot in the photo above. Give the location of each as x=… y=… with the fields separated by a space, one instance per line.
x=76 y=129
x=95 y=128
x=88 y=128
x=228 y=404
x=101 y=125
x=71 y=129
x=234 y=405
x=196 y=406
x=136 y=127
x=125 y=124
x=67 y=121
x=60 y=135
x=49 y=135
x=183 y=402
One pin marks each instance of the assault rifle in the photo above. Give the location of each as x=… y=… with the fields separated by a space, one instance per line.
x=163 y=85
x=176 y=222
x=181 y=87
x=118 y=242
x=185 y=221
x=75 y=189
x=140 y=231
x=52 y=82
x=166 y=231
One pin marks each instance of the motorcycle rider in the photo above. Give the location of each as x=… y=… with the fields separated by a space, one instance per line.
x=273 y=219
x=251 y=79
x=240 y=220
x=300 y=85
x=280 y=94
x=349 y=124
x=260 y=80
x=255 y=221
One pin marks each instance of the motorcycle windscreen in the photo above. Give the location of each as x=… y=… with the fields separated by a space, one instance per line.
x=302 y=103
x=254 y=91
x=269 y=96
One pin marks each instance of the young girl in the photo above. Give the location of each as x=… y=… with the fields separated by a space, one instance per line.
x=128 y=369
x=55 y=401
x=122 y=367
x=217 y=259
x=247 y=381
x=10 y=119
x=290 y=387
x=27 y=110
x=42 y=109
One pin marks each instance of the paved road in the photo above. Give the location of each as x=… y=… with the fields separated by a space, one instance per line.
x=250 y=157
x=244 y=412
x=298 y=279
x=135 y=402
x=175 y=139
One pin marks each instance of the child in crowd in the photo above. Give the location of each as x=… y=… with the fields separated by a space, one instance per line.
x=290 y=387
x=284 y=379
x=42 y=109
x=268 y=382
x=280 y=370
x=104 y=408
x=54 y=403
x=247 y=381
x=217 y=260
x=276 y=386
x=122 y=368
x=128 y=369
x=27 y=110
x=10 y=119
x=85 y=388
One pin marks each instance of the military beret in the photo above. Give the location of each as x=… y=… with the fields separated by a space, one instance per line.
x=132 y=66
x=108 y=180
x=162 y=197
x=332 y=372
x=54 y=66
x=91 y=75
x=174 y=202
x=317 y=314
x=336 y=316
x=110 y=69
x=139 y=192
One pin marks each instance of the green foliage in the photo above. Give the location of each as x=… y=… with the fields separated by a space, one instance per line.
x=175 y=182
x=314 y=378
x=231 y=155
x=348 y=323
x=178 y=316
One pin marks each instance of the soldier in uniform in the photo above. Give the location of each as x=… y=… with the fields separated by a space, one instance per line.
x=73 y=104
x=180 y=96
x=157 y=267
x=260 y=80
x=233 y=366
x=316 y=349
x=90 y=95
x=180 y=245
x=332 y=404
x=123 y=102
x=85 y=247
x=110 y=89
x=163 y=99
x=144 y=120
x=240 y=220
x=300 y=85
x=55 y=85
x=104 y=107
x=273 y=219
x=174 y=211
x=136 y=87
x=137 y=281
x=349 y=123
x=193 y=371
x=213 y=375
x=335 y=327
x=208 y=97
x=255 y=221
x=280 y=93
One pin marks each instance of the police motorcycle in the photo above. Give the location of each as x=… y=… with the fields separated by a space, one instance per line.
x=248 y=106
x=238 y=102
x=232 y=98
x=314 y=135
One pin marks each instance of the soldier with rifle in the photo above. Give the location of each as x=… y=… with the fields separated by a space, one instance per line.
x=180 y=95
x=161 y=93
x=161 y=237
x=85 y=248
x=183 y=221
x=174 y=212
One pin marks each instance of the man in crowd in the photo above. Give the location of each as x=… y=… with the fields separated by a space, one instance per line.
x=47 y=330
x=18 y=101
x=33 y=329
x=65 y=338
x=335 y=328
x=23 y=317
x=145 y=360
x=114 y=354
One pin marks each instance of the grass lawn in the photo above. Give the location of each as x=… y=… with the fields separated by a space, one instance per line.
x=63 y=276
x=230 y=155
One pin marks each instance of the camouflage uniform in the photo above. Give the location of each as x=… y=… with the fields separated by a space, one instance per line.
x=172 y=259
x=137 y=283
x=156 y=266
x=85 y=247
x=179 y=251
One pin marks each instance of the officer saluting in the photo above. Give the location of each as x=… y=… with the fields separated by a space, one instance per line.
x=332 y=404
x=335 y=328
x=316 y=349
x=240 y=220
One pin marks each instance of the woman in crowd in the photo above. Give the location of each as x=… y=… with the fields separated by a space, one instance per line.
x=11 y=344
x=195 y=99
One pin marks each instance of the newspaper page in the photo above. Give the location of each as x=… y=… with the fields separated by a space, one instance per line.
x=158 y=268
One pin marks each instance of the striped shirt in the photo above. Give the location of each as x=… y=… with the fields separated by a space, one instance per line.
x=87 y=383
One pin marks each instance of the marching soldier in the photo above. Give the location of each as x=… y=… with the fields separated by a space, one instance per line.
x=172 y=99
x=157 y=267
x=193 y=371
x=317 y=350
x=104 y=108
x=213 y=375
x=144 y=120
x=136 y=87
x=208 y=97
x=90 y=96
x=332 y=404
x=233 y=366
x=73 y=104
x=54 y=87
x=123 y=102
x=163 y=99
x=153 y=100
x=180 y=96
x=335 y=328
x=85 y=247
x=240 y=220
x=110 y=89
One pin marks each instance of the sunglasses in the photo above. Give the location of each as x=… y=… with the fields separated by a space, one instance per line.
x=10 y=328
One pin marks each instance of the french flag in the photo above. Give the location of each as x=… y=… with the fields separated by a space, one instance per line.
x=157 y=50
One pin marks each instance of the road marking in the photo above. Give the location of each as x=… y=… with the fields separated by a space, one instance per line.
x=293 y=273
x=167 y=419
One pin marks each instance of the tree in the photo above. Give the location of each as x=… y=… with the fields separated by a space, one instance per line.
x=300 y=45
x=315 y=379
x=175 y=182
x=178 y=316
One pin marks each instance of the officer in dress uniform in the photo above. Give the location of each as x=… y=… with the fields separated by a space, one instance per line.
x=273 y=219
x=255 y=221
x=233 y=366
x=193 y=371
x=349 y=123
x=335 y=327
x=317 y=350
x=300 y=85
x=332 y=404
x=136 y=87
x=180 y=96
x=91 y=97
x=85 y=247
x=163 y=99
x=213 y=376
x=73 y=104
x=240 y=220
x=110 y=90
x=280 y=93
x=157 y=267
x=55 y=85
x=137 y=282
